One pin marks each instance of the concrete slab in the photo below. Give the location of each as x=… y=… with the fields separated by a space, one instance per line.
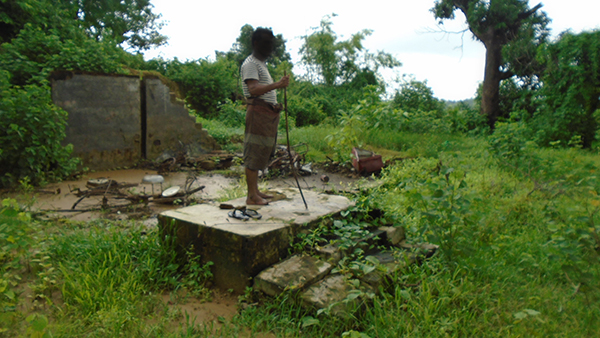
x=241 y=249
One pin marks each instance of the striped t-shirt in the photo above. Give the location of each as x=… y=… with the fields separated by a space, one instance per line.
x=255 y=69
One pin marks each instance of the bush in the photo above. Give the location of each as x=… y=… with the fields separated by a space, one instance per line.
x=307 y=111
x=31 y=131
x=204 y=84
x=232 y=114
x=511 y=145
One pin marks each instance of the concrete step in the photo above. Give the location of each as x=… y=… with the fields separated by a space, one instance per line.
x=292 y=274
x=241 y=249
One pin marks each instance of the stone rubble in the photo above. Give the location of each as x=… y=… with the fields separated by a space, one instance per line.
x=320 y=288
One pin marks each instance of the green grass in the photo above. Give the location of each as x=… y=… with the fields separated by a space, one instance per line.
x=518 y=256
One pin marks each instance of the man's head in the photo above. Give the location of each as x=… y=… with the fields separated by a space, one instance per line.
x=263 y=42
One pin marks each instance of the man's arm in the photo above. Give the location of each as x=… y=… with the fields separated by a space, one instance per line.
x=257 y=89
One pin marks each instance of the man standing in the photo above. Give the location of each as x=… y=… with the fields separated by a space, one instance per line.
x=262 y=115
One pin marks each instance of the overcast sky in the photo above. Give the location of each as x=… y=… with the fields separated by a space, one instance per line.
x=452 y=64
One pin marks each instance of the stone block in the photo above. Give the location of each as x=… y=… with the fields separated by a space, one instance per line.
x=292 y=274
x=394 y=234
x=337 y=294
x=390 y=264
x=425 y=250
x=329 y=253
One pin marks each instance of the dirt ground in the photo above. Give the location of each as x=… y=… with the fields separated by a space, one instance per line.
x=57 y=201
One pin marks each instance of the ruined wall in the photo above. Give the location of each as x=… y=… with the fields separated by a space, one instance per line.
x=115 y=121
x=104 y=123
x=170 y=126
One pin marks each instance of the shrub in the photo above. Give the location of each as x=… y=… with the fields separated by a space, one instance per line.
x=511 y=145
x=31 y=131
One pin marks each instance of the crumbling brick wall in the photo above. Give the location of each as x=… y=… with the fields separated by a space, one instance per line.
x=115 y=121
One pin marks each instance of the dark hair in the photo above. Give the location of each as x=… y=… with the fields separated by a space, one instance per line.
x=261 y=34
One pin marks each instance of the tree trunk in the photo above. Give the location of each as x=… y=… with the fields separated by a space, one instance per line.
x=490 y=94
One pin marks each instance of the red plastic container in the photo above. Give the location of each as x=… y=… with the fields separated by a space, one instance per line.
x=365 y=161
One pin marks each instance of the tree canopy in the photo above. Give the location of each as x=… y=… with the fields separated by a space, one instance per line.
x=129 y=23
x=334 y=62
x=499 y=25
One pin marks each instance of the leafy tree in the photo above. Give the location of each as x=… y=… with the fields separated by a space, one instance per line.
x=509 y=30
x=518 y=98
x=337 y=73
x=416 y=95
x=571 y=88
x=126 y=22
x=12 y=19
x=334 y=62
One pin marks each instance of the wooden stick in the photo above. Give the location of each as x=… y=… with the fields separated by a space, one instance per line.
x=287 y=133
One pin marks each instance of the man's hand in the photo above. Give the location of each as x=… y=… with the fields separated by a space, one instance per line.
x=283 y=82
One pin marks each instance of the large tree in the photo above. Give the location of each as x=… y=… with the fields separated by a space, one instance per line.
x=498 y=24
x=129 y=23
x=333 y=62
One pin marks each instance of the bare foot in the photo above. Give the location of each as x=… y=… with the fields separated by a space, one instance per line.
x=258 y=200
x=263 y=195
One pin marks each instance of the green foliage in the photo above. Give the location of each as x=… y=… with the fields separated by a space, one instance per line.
x=31 y=131
x=306 y=110
x=519 y=99
x=126 y=22
x=107 y=272
x=15 y=242
x=197 y=275
x=129 y=23
x=372 y=116
x=35 y=52
x=332 y=62
x=204 y=84
x=436 y=204
x=511 y=144
x=571 y=90
x=232 y=114
x=416 y=96
x=229 y=138
x=38 y=326
x=510 y=32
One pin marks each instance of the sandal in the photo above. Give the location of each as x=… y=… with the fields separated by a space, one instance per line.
x=252 y=214
x=238 y=214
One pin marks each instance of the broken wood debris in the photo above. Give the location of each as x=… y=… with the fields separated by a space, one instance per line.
x=113 y=190
x=283 y=163
x=215 y=160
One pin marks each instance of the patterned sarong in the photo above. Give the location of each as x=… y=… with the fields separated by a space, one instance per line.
x=260 y=137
